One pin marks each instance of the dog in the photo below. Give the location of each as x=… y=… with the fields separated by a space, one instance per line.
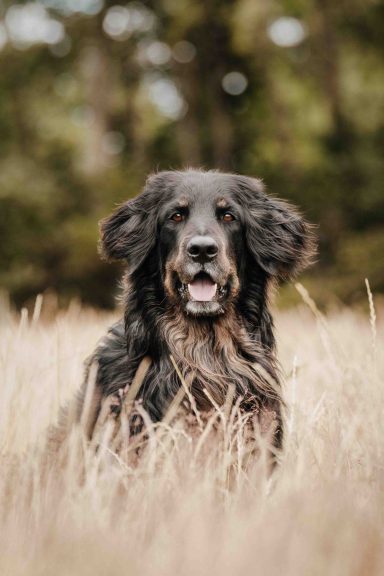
x=202 y=251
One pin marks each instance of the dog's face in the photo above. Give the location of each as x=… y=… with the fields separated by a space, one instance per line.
x=203 y=228
x=201 y=241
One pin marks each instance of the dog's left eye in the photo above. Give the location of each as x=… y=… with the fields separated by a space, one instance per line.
x=178 y=217
x=227 y=217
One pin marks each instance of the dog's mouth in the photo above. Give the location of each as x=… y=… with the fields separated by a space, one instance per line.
x=202 y=295
x=202 y=288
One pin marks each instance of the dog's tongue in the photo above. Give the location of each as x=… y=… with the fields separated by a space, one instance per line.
x=202 y=289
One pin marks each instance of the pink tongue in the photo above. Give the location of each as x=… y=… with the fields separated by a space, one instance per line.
x=202 y=289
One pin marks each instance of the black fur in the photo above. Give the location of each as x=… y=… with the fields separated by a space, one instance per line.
x=266 y=241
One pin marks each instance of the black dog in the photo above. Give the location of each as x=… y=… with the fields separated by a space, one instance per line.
x=202 y=249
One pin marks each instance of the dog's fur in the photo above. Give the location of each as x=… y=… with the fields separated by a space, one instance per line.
x=227 y=341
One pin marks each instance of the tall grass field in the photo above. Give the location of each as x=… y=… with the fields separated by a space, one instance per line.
x=197 y=504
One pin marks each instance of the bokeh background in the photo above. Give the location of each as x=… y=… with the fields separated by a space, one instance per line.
x=94 y=95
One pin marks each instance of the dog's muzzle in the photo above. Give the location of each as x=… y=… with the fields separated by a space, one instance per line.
x=202 y=276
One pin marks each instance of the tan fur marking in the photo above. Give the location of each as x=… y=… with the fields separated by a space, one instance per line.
x=169 y=286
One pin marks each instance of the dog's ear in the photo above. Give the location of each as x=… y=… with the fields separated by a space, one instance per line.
x=279 y=239
x=130 y=232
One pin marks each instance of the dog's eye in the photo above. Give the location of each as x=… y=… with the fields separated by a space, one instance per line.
x=227 y=217
x=178 y=217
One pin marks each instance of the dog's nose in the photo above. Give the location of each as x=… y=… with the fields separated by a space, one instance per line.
x=202 y=248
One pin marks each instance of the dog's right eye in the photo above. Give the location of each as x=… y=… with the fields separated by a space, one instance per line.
x=178 y=217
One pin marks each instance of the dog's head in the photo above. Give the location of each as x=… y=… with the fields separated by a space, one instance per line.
x=203 y=228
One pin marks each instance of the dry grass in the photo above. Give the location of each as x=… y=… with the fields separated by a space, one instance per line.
x=176 y=513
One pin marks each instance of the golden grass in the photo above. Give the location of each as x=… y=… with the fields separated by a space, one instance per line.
x=180 y=511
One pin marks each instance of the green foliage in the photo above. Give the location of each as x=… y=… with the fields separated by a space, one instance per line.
x=85 y=119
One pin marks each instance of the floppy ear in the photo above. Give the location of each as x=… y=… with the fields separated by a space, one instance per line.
x=277 y=236
x=130 y=232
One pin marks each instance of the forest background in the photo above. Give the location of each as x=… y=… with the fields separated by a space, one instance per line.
x=95 y=95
